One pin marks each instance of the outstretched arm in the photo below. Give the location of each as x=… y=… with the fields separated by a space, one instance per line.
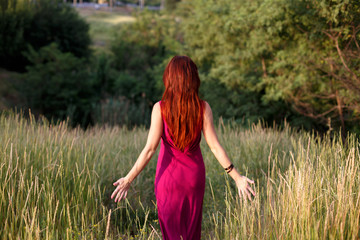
x=220 y=154
x=123 y=184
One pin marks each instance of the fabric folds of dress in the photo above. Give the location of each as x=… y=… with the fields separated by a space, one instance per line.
x=179 y=188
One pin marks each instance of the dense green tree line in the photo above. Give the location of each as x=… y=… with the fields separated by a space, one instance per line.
x=34 y=24
x=301 y=52
x=297 y=60
x=48 y=42
x=273 y=60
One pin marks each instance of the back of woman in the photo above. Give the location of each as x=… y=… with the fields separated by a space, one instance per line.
x=180 y=173
x=178 y=120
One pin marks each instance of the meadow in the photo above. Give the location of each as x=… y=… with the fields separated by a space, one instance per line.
x=57 y=182
x=103 y=25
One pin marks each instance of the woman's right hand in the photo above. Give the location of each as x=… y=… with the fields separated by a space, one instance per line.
x=244 y=188
x=121 y=190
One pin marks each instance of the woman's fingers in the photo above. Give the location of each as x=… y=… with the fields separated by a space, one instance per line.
x=250 y=181
x=245 y=194
x=121 y=195
x=120 y=191
x=118 y=196
x=251 y=190
x=245 y=190
x=118 y=188
x=117 y=182
x=114 y=192
x=242 y=194
x=248 y=195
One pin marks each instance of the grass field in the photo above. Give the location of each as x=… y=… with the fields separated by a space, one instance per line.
x=57 y=182
x=103 y=25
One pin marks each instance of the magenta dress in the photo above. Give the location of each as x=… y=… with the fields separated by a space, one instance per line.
x=179 y=189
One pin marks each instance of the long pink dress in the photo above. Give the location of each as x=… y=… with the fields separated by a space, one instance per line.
x=179 y=189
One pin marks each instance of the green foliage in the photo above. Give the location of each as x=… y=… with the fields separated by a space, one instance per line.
x=140 y=52
x=60 y=23
x=296 y=60
x=302 y=52
x=217 y=39
x=14 y=21
x=38 y=24
x=245 y=107
x=59 y=85
x=104 y=73
x=9 y=94
x=170 y=5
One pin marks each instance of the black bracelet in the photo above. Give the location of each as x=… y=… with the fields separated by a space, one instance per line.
x=229 y=168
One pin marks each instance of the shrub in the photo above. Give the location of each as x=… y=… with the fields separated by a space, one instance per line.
x=59 y=85
x=141 y=51
x=38 y=24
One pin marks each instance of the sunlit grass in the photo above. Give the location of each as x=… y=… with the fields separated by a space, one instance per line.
x=57 y=182
x=110 y=18
x=103 y=26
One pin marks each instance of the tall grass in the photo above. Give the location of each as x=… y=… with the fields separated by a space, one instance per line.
x=56 y=183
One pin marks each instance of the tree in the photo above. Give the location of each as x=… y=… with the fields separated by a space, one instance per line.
x=303 y=52
x=139 y=49
x=171 y=4
x=37 y=24
x=319 y=73
x=59 y=85
x=14 y=20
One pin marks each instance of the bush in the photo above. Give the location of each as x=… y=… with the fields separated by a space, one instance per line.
x=60 y=23
x=304 y=53
x=246 y=106
x=13 y=24
x=140 y=52
x=38 y=24
x=59 y=85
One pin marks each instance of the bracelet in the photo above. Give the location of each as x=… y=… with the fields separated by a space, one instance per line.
x=229 y=168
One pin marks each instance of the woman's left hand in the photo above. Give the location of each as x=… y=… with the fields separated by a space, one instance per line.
x=244 y=188
x=121 y=190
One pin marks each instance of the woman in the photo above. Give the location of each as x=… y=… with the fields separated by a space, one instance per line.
x=178 y=120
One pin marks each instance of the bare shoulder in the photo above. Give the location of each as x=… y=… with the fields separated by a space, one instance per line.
x=156 y=109
x=157 y=106
x=206 y=104
x=207 y=109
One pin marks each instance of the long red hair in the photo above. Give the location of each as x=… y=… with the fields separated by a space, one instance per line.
x=181 y=106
